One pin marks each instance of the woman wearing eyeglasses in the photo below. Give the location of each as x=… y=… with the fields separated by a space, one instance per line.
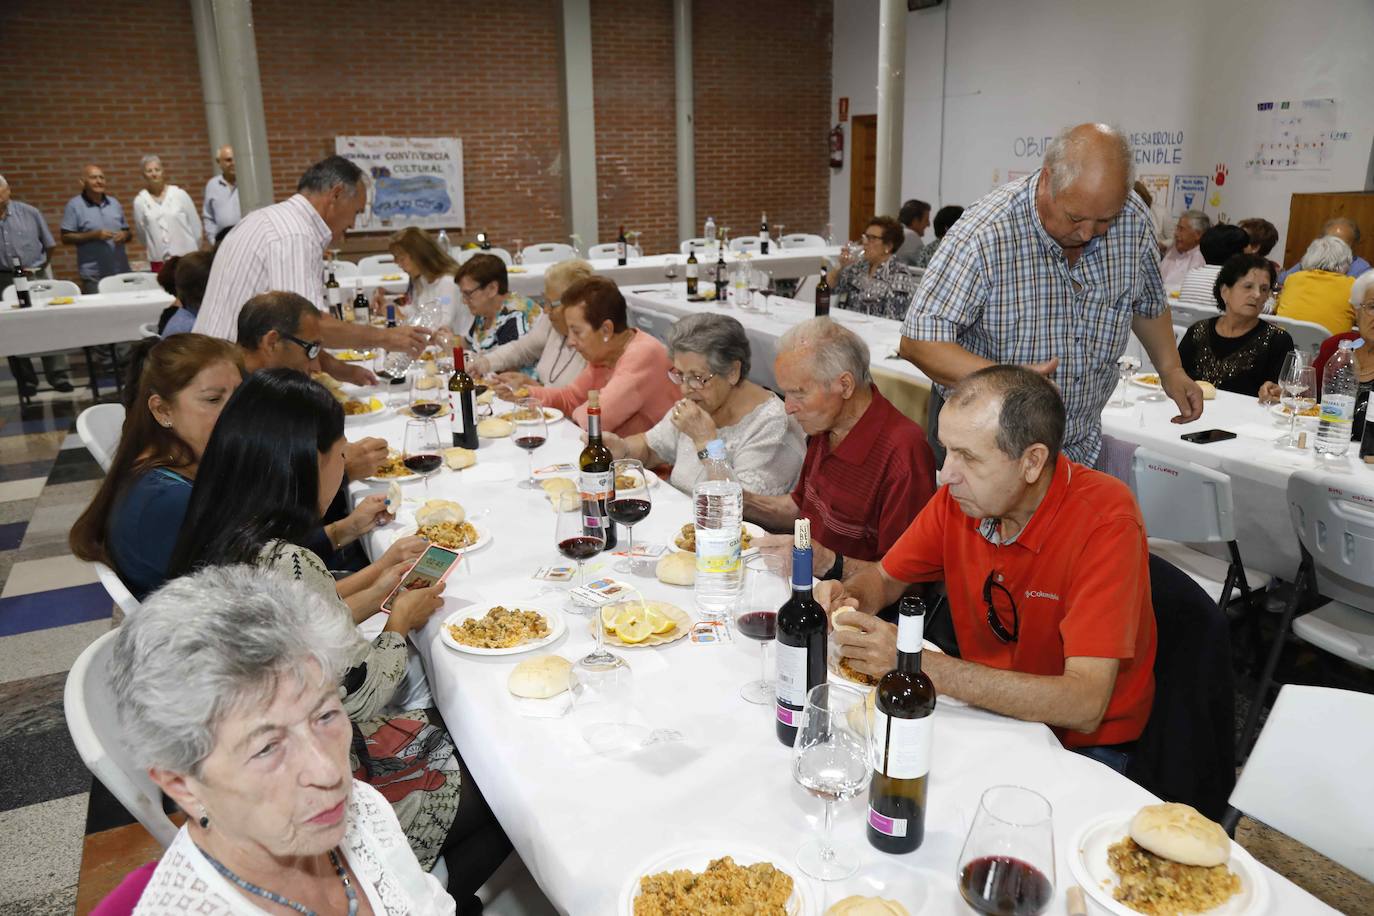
x=876 y=283
x=555 y=361
x=710 y=355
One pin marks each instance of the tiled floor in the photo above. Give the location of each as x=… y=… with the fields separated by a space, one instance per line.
x=64 y=837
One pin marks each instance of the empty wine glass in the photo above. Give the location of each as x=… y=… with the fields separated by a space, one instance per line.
x=1007 y=864
x=421 y=450
x=603 y=700
x=766 y=588
x=519 y=257
x=630 y=504
x=778 y=240
x=575 y=540
x=1126 y=365
x=1298 y=382
x=531 y=431
x=830 y=760
x=670 y=275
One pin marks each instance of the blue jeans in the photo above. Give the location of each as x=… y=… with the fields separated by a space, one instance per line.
x=1116 y=756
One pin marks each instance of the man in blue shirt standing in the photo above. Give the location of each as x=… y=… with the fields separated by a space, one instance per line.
x=94 y=222
x=24 y=236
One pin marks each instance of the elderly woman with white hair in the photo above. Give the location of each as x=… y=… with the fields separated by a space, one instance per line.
x=1320 y=292
x=710 y=357
x=226 y=684
x=164 y=216
x=1362 y=299
x=546 y=345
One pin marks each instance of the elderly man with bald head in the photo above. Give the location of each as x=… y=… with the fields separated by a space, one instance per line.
x=1053 y=271
x=221 y=209
x=94 y=222
x=1348 y=231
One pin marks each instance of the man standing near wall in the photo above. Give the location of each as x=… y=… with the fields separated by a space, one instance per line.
x=221 y=209
x=24 y=235
x=915 y=219
x=1053 y=271
x=94 y=222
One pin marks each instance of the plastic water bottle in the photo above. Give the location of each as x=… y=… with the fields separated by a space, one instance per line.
x=709 y=233
x=443 y=242
x=719 y=516
x=1339 y=388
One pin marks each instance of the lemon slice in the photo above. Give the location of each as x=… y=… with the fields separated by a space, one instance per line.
x=608 y=618
x=660 y=623
x=633 y=627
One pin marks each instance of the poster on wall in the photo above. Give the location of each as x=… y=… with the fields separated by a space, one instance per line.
x=1296 y=136
x=412 y=181
x=1190 y=193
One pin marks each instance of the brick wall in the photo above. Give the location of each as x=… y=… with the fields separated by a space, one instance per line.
x=488 y=73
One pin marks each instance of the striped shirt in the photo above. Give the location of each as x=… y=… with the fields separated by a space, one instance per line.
x=280 y=247
x=1002 y=289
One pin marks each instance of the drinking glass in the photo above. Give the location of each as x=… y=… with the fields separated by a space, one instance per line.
x=427 y=391
x=766 y=588
x=531 y=431
x=1125 y=366
x=778 y=241
x=602 y=701
x=830 y=760
x=630 y=504
x=670 y=275
x=1299 y=384
x=421 y=452
x=1007 y=864
x=518 y=257
x=575 y=540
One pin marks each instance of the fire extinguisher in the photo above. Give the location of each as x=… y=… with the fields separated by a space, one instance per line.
x=837 y=147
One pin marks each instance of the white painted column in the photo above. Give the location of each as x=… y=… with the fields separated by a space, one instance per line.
x=887 y=198
x=579 y=122
x=686 y=130
x=238 y=56
x=211 y=86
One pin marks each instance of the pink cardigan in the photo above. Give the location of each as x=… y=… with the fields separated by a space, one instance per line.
x=635 y=393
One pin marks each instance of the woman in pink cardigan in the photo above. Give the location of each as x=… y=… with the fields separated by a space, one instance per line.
x=628 y=366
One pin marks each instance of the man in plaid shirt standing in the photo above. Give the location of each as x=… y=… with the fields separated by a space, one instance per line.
x=1053 y=271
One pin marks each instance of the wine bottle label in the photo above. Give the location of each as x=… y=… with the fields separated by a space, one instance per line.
x=691 y=271
x=892 y=826
x=21 y=283
x=596 y=487
x=333 y=295
x=718 y=550
x=791 y=682
x=904 y=742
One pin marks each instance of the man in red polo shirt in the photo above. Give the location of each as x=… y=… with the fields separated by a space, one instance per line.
x=868 y=469
x=1046 y=566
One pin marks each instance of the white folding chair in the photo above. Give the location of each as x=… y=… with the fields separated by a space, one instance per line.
x=94 y=725
x=114 y=587
x=149 y=329
x=1334 y=521
x=99 y=427
x=374 y=265
x=1308 y=336
x=802 y=240
x=806 y=289
x=655 y=324
x=123 y=283
x=547 y=253
x=464 y=255
x=1308 y=776
x=690 y=245
x=1186 y=503
x=343 y=270
x=612 y=249
x=749 y=243
x=42 y=289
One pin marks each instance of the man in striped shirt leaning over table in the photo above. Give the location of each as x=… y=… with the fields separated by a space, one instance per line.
x=281 y=248
x=1054 y=271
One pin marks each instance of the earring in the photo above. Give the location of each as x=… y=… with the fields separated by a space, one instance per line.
x=605 y=339
x=204 y=820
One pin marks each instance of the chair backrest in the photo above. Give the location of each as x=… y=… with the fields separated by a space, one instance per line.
x=547 y=253
x=802 y=240
x=690 y=245
x=1308 y=775
x=94 y=726
x=99 y=427
x=1307 y=335
x=343 y=270
x=374 y=265
x=656 y=324
x=748 y=243
x=42 y=289
x=610 y=250
x=1334 y=520
x=116 y=589
x=149 y=329
x=462 y=256
x=123 y=283
x=806 y=288
x=1181 y=500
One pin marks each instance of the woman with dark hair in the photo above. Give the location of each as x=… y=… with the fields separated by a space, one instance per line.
x=431 y=270
x=499 y=316
x=191 y=275
x=272 y=466
x=945 y=217
x=629 y=367
x=1218 y=245
x=1236 y=351
x=875 y=283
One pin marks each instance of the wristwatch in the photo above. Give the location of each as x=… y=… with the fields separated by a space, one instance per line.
x=702 y=454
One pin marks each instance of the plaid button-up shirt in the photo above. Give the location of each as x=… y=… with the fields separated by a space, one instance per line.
x=1000 y=287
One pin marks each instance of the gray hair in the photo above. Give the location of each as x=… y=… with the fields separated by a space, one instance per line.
x=329 y=173
x=3 y=182
x=1065 y=155
x=1200 y=221
x=1328 y=253
x=151 y=157
x=1342 y=221
x=212 y=642
x=1363 y=284
x=834 y=348
x=719 y=338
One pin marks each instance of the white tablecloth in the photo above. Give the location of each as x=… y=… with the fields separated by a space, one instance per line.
x=585 y=825
x=92 y=320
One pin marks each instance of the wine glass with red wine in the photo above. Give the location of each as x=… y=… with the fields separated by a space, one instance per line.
x=421 y=453
x=531 y=431
x=766 y=588
x=1007 y=866
x=630 y=504
x=576 y=540
x=427 y=390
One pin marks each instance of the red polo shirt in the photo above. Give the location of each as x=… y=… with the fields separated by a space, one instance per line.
x=1079 y=574
x=861 y=495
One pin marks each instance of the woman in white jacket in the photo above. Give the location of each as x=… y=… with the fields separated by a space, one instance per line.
x=165 y=217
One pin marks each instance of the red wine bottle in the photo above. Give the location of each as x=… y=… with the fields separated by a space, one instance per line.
x=622 y=248
x=902 y=733
x=801 y=639
x=362 y=308
x=462 y=404
x=822 y=296
x=692 y=271
x=21 y=285
x=595 y=479
x=763 y=234
x=721 y=278
x=335 y=295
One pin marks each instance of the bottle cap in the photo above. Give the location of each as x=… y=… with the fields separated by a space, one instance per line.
x=594 y=398
x=716 y=449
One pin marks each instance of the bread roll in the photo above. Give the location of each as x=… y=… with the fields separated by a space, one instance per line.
x=486 y=397
x=438 y=511
x=1209 y=391
x=866 y=906
x=540 y=678
x=458 y=458
x=393 y=498
x=495 y=428
x=677 y=568
x=1181 y=834
x=554 y=486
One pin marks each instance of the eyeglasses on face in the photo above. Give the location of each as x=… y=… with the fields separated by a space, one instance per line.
x=311 y=347
x=999 y=603
x=696 y=382
x=869 y=237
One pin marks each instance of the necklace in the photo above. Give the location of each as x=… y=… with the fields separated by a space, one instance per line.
x=278 y=899
x=559 y=364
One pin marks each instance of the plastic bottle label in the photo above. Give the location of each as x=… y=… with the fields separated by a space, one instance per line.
x=891 y=826
x=718 y=550
x=1338 y=408
x=791 y=680
x=907 y=742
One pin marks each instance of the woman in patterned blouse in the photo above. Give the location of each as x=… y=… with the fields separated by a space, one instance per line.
x=499 y=316
x=1236 y=351
x=875 y=283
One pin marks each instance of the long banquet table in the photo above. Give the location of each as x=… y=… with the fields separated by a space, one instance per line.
x=94 y=320
x=586 y=825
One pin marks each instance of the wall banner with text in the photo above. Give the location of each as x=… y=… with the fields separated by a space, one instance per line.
x=412 y=181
